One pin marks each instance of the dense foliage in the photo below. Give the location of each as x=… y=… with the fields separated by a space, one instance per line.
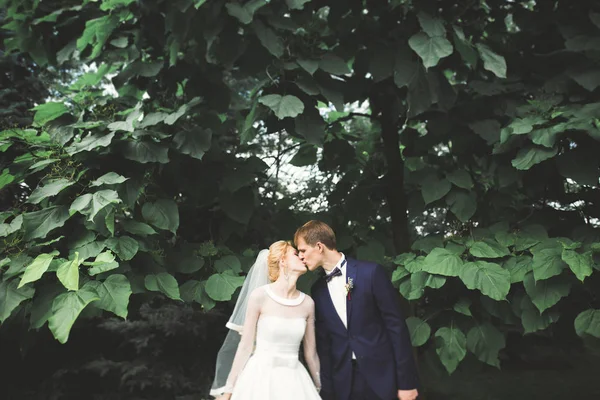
x=454 y=142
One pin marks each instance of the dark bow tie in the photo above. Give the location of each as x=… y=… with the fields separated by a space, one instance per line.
x=336 y=272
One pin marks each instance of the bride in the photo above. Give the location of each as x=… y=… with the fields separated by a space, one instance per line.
x=270 y=321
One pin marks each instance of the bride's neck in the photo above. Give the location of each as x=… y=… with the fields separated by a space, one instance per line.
x=285 y=288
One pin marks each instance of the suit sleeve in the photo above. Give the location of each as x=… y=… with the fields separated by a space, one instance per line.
x=386 y=298
x=324 y=351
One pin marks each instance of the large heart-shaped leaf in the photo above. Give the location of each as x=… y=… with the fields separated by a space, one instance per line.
x=430 y=49
x=193 y=143
x=114 y=294
x=283 y=106
x=486 y=341
x=165 y=283
x=220 y=287
x=11 y=296
x=419 y=331
x=489 y=278
x=65 y=310
x=38 y=224
x=588 y=323
x=451 y=346
x=50 y=188
x=545 y=294
x=36 y=269
x=442 y=262
x=163 y=214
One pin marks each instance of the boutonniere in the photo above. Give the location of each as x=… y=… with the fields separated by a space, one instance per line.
x=349 y=286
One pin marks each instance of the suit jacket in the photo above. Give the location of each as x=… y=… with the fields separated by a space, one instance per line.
x=376 y=333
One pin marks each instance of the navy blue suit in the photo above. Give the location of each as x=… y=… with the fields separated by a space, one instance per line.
x=376 y=333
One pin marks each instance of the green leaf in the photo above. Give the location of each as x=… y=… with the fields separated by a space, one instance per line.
x=114 y=294
x=172 y=118
x=38 y=224
x=433 y=189
x=462 y=306
x=146 y=152
x=96 y=33
x=530 y=236
x=431 y=26
x=283 y=106
x=68 y=273
x=269 y=39
x=462 y=204
x=333 y=64
x=194 y=290
x=124 y=246
x=488 y=129
x=309 y=66
x=428 y=243
x=414 y=288
x=163 y=214
x=14 y=226
x=399 y=273
x=491 y=61
x=518 y=267
x=191 y=264
x=430 y=49
x=531 y=318
x=489 y=278
x=488 y=248
x=138 y=228
x=244 y=13
x=485 y=341
x=580 y=264
x=228 y=263
x=545 y=294
x=47 y=112
x=419 y=331
x=108 y=5
x=238 y=206
x=548 y=263
x=442 y=262
x=91 y=204
x=311 y=127
x=111 y=178
x=51 y=188
x=588 y=323
x=91 y=142
x=193 y=143
x=41 y=308
x=36 y=269
x=306 y=155
x=464 y=47
x=165 y=283
x=296 y=4
x=451 y=346
x=220 y=287
x=6 y=178
x=460 y=178
x=11 y=296
x=65 y=310
x=530 y=156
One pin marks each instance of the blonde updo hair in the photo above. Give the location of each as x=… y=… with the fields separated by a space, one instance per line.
x=276 y=252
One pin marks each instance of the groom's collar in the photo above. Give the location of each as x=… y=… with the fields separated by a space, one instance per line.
x=340 y=264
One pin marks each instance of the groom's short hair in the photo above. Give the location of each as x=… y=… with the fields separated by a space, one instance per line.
x=316 y=231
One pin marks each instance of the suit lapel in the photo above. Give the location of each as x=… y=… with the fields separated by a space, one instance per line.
x=350 y=277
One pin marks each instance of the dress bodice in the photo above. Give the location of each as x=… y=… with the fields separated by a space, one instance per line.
x=279 y=335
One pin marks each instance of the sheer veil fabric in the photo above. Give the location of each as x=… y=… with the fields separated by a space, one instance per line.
x=258 y=276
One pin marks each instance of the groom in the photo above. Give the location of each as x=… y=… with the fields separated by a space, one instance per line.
x=362 y=340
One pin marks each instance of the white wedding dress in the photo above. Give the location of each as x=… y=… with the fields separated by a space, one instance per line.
x=272 y=371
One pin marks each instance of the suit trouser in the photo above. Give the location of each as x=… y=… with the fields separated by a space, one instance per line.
x=360 y=387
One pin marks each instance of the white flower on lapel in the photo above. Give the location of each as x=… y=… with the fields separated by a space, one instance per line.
x=349 y=286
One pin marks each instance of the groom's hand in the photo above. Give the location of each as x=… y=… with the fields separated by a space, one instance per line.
x=407 y=394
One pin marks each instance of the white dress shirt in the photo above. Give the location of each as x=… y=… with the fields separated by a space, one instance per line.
x=337 y=291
